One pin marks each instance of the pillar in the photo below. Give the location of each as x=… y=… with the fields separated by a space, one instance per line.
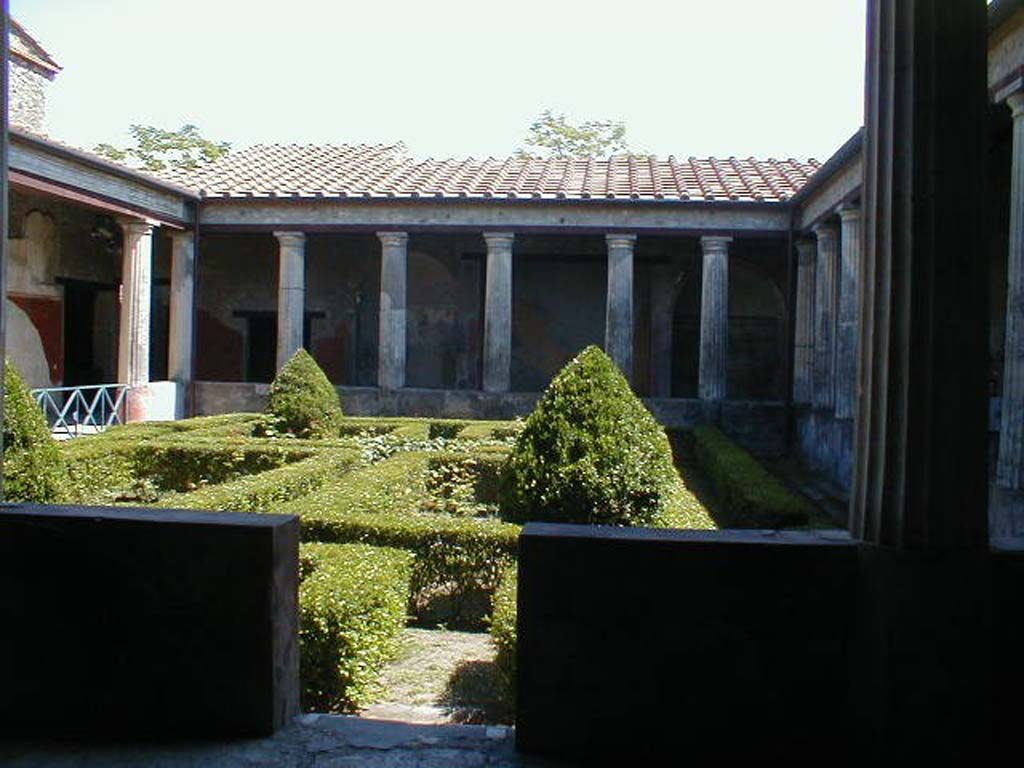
x=291 y=294
x=393 y=277
x=179 y=348
x=1010 y=468
x=714 y=318
x=498 y=313
x=136 y=286
x=803 y=332
x=849 y=304
x=618 y=333
x=825 y=318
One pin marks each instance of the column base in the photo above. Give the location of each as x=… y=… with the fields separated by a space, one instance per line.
x=155 y=401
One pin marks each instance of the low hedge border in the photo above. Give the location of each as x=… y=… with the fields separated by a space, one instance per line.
x=266 y=491
x=748 y=494
x=503 y=632
x=352 y=601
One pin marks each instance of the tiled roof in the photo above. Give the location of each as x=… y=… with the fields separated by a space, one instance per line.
x=386 y=171
x=24 y=45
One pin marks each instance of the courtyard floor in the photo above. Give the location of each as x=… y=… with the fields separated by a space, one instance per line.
x=314 y=741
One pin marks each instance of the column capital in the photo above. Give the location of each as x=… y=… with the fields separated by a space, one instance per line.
x=186 y=236
x=499 y=239
x=806 y=249
x=293 y=239
x=848 y=212
x=394 y=239
x=620 y=241
x=1015 y=101
x=714 y=243
x=824 y=231
x=134 y=227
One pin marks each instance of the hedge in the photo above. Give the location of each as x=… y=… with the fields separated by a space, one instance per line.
x=33 y=464
x=589 y=453
x=503 y=631
x=747 y=493
x=302 y=399
x=460 y=558
x=265 y=492
x=352 y=602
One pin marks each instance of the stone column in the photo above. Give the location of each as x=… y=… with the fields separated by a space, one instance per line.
x=498 y=313
x=393 y=276
x=824 y=396
x=714 y=318
x=179 y=348
x=1010 y=468
x=136 y=286
x=291 y=294
x=803 y=339
x=847 y=325
x=618 y=328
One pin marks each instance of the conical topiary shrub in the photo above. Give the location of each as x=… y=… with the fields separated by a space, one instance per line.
x=590 y=452
x=34 y=468
x=303 y=400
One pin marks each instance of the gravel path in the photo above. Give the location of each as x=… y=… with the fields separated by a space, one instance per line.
x=441 y=677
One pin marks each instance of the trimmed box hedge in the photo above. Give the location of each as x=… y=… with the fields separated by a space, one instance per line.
x=352 y=601
x=503 y=631
x=267 y=491
x=747 y=493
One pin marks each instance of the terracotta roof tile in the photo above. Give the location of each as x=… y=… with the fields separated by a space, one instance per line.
x=388 y=171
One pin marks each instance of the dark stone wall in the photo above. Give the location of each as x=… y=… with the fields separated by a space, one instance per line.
x=121 y=623
x=826 y=444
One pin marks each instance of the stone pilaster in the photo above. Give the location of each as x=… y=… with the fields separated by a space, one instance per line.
x=825 y=318
x=291 y=294
x=618 y=329
x=1010 y=469
x=179 y=343
x=714 y=318
x=847 y=326
x=498 y=313
x=393 y=277
x=803 y=339
x=136 y=287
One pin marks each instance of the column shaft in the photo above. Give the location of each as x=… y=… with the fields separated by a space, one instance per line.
x=1010 y=469
x=136 y=286
x=179 y=348
x=291 y=294
x=714 y=318
x=848 y=322
x=825 y=319
x=803 y=339
x=393 y=278
x=497 y=374
x=618 y=333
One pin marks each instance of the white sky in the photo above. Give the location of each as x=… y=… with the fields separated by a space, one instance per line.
x=770 y=78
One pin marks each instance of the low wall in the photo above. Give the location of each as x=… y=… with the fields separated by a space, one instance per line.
x=125 y=623
x=758 y=426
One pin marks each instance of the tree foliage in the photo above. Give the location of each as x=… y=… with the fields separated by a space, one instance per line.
x=589 y=453
x=303 y=400
x=552 y=135
x=157 y=148
x=34 y=468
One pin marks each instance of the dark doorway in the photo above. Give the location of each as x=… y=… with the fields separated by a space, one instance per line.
x=261 y=342
x=88 y=332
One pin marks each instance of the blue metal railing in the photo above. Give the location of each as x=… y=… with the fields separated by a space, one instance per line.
x=72 y=411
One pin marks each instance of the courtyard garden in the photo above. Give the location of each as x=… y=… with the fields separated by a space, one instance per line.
x=409 y=526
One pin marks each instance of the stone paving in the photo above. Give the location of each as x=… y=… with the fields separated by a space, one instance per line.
x=314 y=741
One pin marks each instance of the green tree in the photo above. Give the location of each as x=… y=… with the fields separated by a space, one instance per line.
x=551 y=135
x=303 y=400
x=589 y=453
x=34 y=467
x=156 y=148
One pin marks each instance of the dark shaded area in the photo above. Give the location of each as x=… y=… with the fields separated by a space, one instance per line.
x=473 y=694
x=126 y=623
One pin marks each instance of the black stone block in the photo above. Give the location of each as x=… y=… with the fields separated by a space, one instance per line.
x=124 y=623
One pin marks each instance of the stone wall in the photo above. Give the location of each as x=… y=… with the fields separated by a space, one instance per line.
x=27 y=103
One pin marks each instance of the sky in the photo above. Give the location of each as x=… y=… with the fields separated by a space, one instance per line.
x=457 y=78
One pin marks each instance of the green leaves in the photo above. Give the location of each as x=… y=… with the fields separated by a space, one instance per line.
x=590 y=452
x=33 y=465
x=552 y=135
x=303 y=400
x=157 y=148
